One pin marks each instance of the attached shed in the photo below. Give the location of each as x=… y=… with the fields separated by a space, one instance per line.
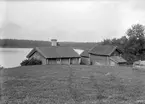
x=55 y=55
x=117 y=60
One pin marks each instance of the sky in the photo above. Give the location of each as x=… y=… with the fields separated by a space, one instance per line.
x=72 y=20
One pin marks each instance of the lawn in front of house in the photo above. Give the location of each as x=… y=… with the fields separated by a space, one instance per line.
x=59 y=84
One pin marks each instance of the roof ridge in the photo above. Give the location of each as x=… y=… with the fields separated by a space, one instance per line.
x=95 y=49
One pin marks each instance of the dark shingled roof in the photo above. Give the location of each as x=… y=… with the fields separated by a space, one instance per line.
x=85 y=53
x=103 y=50
x=118 y=59
x=55 y=52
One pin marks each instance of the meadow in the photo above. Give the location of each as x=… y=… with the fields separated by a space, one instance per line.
x=71 y=84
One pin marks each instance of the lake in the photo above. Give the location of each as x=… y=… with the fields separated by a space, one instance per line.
x=12 y=57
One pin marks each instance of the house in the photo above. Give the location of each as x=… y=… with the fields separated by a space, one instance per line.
x=55 y=54
x=102 y=55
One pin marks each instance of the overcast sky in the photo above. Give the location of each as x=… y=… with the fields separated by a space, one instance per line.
x=87 y=21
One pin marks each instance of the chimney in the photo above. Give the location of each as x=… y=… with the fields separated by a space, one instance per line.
x=53 y=42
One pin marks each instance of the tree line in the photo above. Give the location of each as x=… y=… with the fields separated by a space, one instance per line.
x=132 y=44
x=17 y=43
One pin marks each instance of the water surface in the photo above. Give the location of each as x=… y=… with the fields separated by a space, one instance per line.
x=12 y=57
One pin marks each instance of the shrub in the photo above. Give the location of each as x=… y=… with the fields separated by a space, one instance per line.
x=32 y=61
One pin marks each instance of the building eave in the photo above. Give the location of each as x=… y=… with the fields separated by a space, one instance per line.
x=31 y=53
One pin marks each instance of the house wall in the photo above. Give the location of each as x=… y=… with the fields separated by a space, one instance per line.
x=58 y=61
x=102 y=60
x=74 y=61
x=65 y=61
x=38 y=56
x=52 y=61
x=99 y=60
x=85 y=60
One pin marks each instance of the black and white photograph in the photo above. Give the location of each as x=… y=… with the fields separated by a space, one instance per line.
x=72 y=51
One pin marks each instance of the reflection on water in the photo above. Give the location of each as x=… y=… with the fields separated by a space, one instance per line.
x=12 y=57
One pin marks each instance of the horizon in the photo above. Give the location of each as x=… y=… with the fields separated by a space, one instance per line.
x=47 y=40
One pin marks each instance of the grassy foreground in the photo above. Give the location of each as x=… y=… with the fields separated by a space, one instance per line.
x=63 y=84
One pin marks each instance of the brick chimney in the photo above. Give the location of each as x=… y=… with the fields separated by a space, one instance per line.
x=53 y=42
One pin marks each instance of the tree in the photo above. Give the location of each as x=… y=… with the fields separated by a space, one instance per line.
x=106 y=42
x=136 y=42
x=136 y=31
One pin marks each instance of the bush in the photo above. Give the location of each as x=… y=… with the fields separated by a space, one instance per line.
x=32 y=61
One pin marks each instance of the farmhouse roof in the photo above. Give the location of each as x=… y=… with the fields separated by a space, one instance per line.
x=85 y=53
x=118 y=59
x=54 y=52
x=103 y=50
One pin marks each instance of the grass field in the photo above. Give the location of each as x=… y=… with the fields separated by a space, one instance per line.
x=64 y=84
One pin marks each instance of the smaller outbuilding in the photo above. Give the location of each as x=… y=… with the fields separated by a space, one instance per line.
x=103 y=55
